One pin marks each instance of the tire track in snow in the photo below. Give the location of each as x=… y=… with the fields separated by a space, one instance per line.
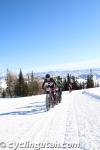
x=62 y=128
x=34 y=134
x=71 y=133
x=88 y=120
x=54 y=130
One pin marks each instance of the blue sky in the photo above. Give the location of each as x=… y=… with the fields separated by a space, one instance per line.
x=39 y=33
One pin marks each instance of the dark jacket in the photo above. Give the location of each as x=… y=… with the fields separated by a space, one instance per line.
x=51 y=83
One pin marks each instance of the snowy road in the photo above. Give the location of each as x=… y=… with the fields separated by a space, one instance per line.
x=73 y=124
x=87 y=112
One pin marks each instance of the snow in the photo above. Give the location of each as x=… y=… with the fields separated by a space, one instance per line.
x=72 y=124
x=3 y=83
x=80 y=80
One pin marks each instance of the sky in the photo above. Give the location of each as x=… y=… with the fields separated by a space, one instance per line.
x=43 y=35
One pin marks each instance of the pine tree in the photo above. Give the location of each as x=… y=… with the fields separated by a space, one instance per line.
x=35 y=87
x=80 y=85
x=97 y=85
x=21 y=88
x=0 y=88
x=65 y=85
x=90 y=82
x=31 y=84
x=83 y=85
x=32 y=77
x=68 y=79
x=3 y=94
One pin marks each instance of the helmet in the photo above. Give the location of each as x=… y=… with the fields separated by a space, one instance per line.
x=47 y=76
x=58 y=78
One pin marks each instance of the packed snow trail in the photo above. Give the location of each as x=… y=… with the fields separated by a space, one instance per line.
x=73 y=124
x=75 y=121
x=87 y=110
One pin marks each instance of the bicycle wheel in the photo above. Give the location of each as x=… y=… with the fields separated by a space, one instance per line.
x=60 y=96
x=56 y=98
x=47 y=102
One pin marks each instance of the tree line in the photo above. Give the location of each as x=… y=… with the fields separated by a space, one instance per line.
x=20 y=86
x=89 y=83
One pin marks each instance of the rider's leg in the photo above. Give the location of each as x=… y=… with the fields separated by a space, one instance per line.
x=54 y=98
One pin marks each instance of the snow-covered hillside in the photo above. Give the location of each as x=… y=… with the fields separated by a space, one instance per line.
x=73 y=124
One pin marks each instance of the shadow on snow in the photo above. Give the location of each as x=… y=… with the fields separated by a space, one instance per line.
x=34 y=108
x=97 y=97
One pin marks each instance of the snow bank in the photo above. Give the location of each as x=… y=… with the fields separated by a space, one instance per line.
x=94 y=92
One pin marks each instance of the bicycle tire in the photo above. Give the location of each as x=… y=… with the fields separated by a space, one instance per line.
x=47 y=102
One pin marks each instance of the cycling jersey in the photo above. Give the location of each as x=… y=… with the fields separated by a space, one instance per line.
x=51 y=83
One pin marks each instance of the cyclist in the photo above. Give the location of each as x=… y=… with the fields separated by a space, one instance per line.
x=49 y=83
x=70 y=87
x=59 y=85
